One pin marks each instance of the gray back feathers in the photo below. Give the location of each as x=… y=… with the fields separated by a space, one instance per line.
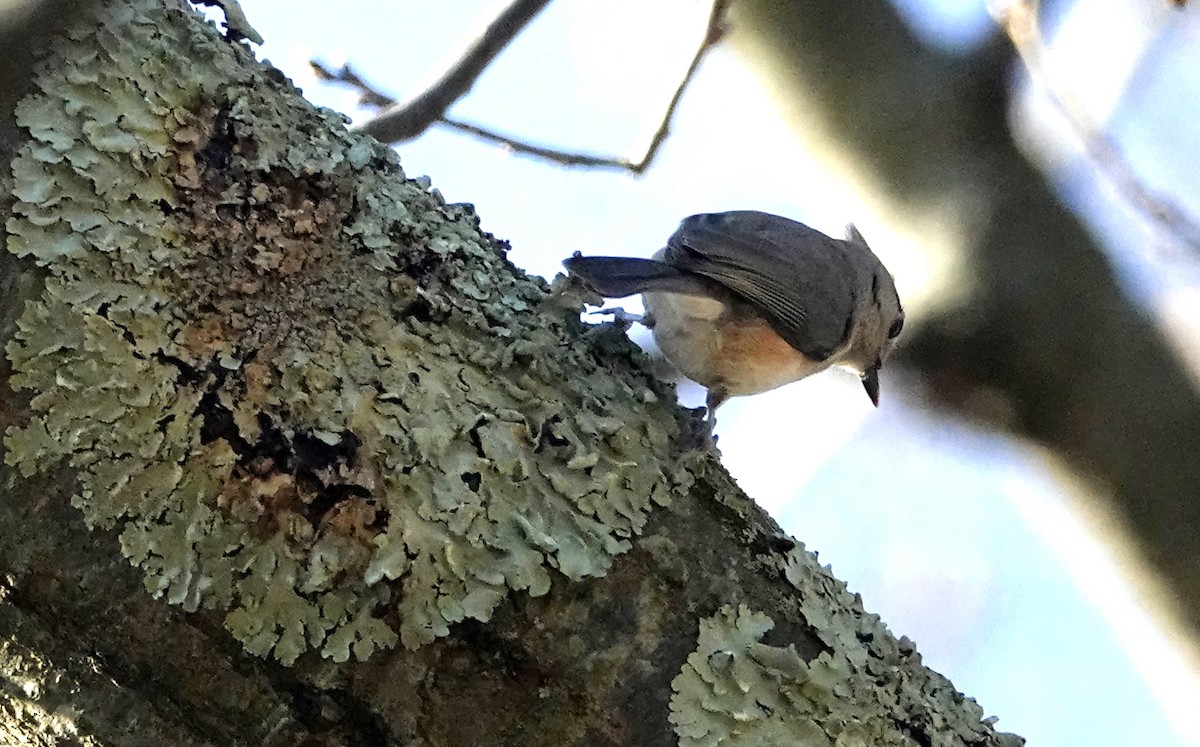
x=806 y=284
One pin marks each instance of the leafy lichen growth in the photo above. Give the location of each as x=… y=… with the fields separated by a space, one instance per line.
x=736 y=690
x=864 y=688
x=305 y=389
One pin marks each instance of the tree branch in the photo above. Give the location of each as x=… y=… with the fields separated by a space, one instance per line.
x=406 y=121
x=420 y=116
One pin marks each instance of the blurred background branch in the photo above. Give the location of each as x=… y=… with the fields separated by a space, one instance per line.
x=1046 y=344
x=1019 y=19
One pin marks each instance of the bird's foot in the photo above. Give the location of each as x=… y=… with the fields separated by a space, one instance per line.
x=702 y=436
x=621 y=317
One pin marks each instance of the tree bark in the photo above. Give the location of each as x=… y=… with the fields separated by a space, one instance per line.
x=295 y=456
x=1045 y=344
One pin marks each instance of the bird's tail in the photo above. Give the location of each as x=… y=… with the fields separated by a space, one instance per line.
x=623 y=276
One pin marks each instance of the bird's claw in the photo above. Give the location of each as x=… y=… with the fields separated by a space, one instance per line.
x=621 y=317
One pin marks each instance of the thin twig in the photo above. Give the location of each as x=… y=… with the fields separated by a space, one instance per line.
x=1019 y=19
x=546 y=153
x=406 y=121
x=370 y=96
x=417 y=111
x=713 y=31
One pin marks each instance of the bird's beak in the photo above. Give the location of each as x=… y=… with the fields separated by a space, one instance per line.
x=870 y=380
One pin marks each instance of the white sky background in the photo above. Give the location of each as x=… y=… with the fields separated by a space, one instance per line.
x=958 y=539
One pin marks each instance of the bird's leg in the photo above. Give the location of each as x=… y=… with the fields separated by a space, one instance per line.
x=716 y=395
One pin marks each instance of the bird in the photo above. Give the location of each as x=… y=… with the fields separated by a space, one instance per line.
x=743 y=302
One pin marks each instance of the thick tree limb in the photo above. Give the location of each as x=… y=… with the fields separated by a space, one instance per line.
x=272 y=396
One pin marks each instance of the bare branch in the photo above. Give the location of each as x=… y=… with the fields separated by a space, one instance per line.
x=1019 y=19
x=546 y=153
x=370 y=96
x=406 y=121
x=712 y=34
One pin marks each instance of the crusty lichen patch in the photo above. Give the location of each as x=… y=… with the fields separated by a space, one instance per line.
x=305 y=389
x=865 y=689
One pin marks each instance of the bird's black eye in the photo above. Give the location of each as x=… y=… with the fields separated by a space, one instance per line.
x=894 y=330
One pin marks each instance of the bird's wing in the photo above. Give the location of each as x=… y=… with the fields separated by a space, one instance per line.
x=801 y=279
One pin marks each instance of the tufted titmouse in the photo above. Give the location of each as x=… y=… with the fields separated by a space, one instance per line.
x=744 y=302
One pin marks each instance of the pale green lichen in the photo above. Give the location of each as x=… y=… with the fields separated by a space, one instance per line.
x=866 y=688
x=304 y=389
x=736 y=690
